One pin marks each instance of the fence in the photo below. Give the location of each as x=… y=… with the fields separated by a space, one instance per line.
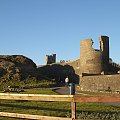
x=67 y=98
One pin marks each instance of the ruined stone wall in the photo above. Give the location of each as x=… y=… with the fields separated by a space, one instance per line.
x=100 y=82
x=90 y=59
x=75 y=64
x=104 y=48
x=50 y=59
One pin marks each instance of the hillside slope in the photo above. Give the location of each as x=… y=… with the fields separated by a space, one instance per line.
x=17 y=67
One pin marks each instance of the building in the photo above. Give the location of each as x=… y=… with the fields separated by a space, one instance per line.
x=97 y=72
x=50 y=59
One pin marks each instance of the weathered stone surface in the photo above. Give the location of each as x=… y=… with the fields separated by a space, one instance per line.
x=92 y=61
x=100 y=83
x=90 y=58
x=94 y=67
x=75 y=64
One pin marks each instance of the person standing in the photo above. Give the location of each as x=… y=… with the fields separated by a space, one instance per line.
x=66 y=81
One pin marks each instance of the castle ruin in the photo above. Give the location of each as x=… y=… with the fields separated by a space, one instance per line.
x=94 y=61
x=50 y=59
x=95 y=69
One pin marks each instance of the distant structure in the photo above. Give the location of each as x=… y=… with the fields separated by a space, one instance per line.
x=104 y=48
x=50 y=59
x=90 y=59
x=96 y=70
x=94 y=61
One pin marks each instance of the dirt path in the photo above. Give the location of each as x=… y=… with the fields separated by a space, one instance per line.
x=62 y=90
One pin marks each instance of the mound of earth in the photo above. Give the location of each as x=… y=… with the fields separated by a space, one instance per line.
x=16 y=67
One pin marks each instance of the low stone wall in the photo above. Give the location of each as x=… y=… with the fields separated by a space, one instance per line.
x=100 y=83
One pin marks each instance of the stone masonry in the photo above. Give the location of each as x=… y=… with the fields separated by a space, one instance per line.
x=50 y=59
x=90 y=59
x=94 y=67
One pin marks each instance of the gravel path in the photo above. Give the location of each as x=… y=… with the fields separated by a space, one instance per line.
x=62 y=90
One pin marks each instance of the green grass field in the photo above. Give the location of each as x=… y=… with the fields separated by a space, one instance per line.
x=84 y=110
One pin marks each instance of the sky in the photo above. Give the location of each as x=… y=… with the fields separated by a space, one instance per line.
x=36 y=28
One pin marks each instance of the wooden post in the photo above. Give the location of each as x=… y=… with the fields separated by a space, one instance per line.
x=73 y=110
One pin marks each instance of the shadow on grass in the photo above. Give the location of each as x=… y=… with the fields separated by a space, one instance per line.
x=51 y=109
x=25 y=107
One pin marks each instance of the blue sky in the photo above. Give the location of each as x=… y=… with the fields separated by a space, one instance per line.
x=35 y=28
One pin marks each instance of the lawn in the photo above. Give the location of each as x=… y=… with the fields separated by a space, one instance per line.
x=84 y=110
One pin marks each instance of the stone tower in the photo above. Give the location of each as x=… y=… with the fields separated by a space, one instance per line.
x=104 y=48
x=90 y=58
x=50 y=59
